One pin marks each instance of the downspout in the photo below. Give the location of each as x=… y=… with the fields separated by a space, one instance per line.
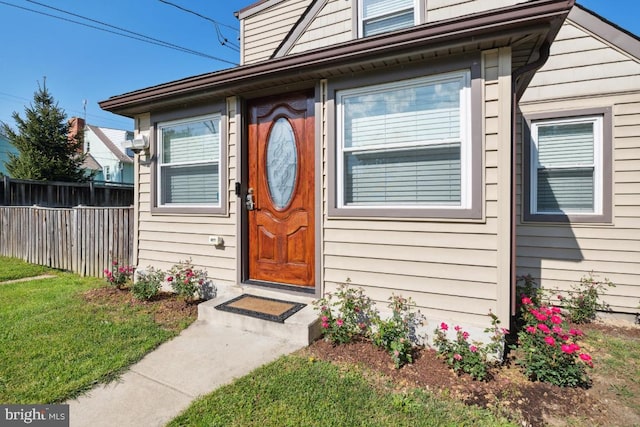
x=543 y=56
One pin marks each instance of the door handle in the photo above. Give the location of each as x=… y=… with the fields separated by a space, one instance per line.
x=250 y=203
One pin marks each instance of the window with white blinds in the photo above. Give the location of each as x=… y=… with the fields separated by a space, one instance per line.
x=189 y=161
x=381 y=16
x=566 y=166
x=404 y=144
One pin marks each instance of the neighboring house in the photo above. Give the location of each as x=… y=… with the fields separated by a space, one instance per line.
x=5 y=149
x=107 y=148
x=107 y=156
x=378 y=141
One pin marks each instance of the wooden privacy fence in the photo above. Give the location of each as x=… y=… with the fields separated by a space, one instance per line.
x=82 y=239
x=23 y=192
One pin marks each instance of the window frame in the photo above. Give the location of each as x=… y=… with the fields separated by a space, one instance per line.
x=472 y=184
x=602 y=191
x=419 y=12
x=158 y=120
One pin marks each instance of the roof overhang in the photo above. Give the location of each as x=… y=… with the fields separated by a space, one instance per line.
x=524 y=27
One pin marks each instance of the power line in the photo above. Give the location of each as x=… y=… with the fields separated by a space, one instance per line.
x=224 y=41
x=14 y=96
x=134 y=36
x=198 y=14
x=221 y=38
x=24 y=101
x=130 y=32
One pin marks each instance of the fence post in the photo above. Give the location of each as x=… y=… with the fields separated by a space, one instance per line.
x=50 y=196
x=92 y=193
x=7 y=191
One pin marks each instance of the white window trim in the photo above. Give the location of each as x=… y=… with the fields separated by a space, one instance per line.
x=416 y=15
x=217 y=117
x=597 y=164
x=465 y=140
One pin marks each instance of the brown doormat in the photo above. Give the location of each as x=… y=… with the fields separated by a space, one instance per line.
x=263 y=308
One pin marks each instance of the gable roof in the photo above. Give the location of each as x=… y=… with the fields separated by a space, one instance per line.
x=525 y=27
x=256 y=7
x=91 y=163
x=299 y=27
x=615 y=35
x=110 y=145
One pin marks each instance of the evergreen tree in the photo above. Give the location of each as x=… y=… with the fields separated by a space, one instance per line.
x=45 y=152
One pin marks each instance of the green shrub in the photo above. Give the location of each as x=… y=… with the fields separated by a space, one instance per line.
x=472 y=357
x=147 y=283
x=346 y=314
x=583 y=300
x=398 y=334
x=526 y=286
x=186 y=281
x=547 y=350
x=119 y=275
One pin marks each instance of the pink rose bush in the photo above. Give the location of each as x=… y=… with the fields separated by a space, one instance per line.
x=473 y=358
x=346 y=315
x=397 y=334
x=349 y=315
x=186 y=280
x=546 y=350
x=118 y=275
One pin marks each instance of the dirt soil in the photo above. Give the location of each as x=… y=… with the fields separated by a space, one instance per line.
x=508 y=392
x=167 y=309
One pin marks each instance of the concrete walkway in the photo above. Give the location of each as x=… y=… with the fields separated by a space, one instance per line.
x=27 y=279
x=163 y=384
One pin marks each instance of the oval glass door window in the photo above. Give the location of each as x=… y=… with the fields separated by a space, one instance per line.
x=282 y=163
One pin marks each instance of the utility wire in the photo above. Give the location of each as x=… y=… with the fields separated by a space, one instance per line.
x=123 y=29
x=224 y=41
x=131 y=34
x=24 y=101
x=221 y=38
x=198 y=14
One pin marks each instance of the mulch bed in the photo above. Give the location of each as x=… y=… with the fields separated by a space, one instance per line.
x=508 y=392
x=167 y=309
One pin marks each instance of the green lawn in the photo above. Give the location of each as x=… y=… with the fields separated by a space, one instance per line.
x=12 y=268
x=296 y=391
x=618 y=360
x=54 y=345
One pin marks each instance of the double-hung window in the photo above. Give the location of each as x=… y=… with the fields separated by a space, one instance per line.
x=405 y=145
x=381 y=16
x=566 y=166
x=189 y=153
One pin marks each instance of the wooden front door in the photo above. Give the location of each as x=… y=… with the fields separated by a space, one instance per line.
x=281 y=190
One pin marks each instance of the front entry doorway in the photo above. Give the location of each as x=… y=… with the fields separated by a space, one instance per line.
x=280 y=197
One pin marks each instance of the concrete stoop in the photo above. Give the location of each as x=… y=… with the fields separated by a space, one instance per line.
x=302 y=328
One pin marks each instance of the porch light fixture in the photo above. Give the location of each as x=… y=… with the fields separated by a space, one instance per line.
x=140 y=145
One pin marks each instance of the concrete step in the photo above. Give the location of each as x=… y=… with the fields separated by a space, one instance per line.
x=302 y=328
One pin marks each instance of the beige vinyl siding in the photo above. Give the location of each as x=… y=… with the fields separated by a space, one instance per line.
x=165 y=239
x=332 y=25
x=581 y=65
x=559 y=255
x=450 y=269
x=264 y=31
x=438 y=10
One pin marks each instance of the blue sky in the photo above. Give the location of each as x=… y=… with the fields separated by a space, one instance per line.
x=82 y=63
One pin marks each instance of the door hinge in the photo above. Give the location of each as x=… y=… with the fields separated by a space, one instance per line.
x=238 y=189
